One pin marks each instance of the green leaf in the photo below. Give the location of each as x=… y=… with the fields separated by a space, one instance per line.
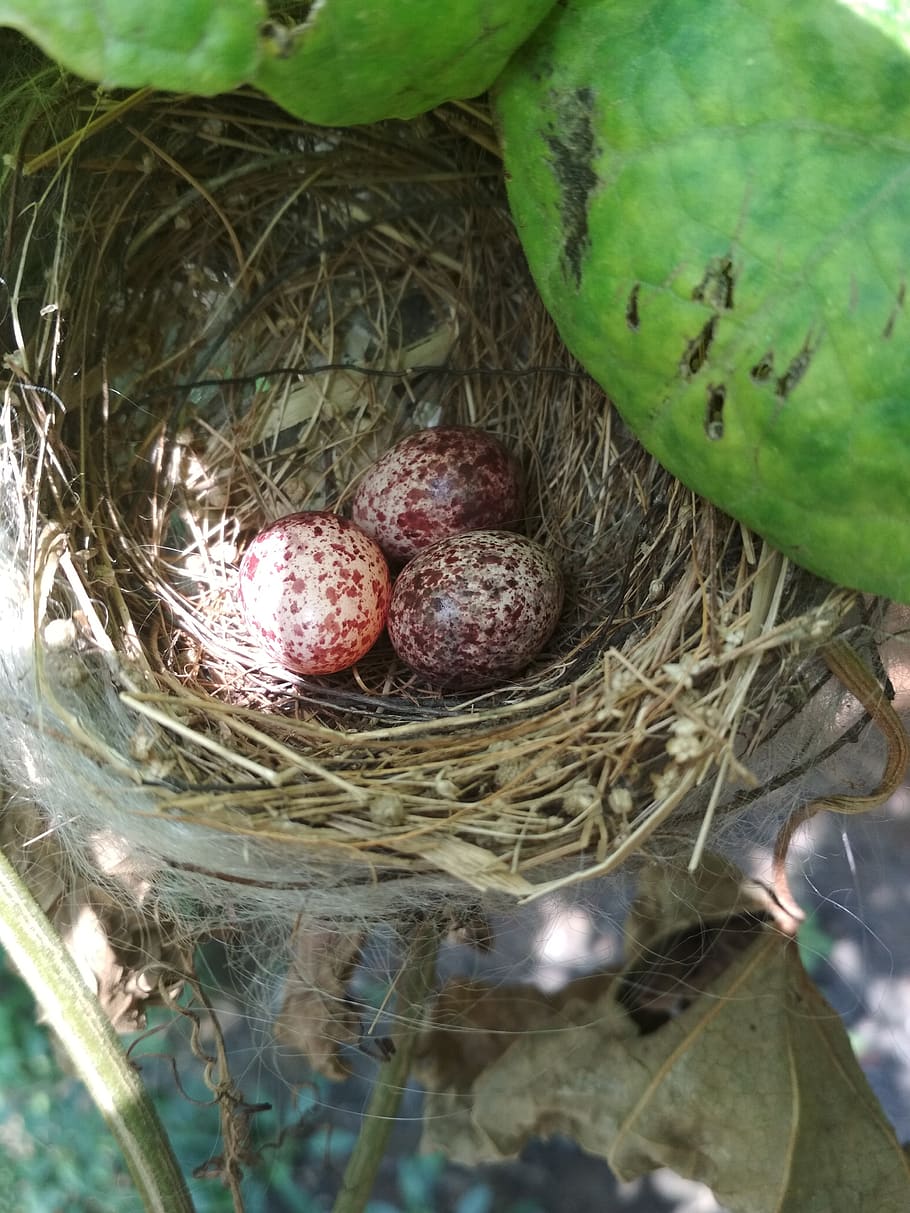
x=350 y=63
x=346 y=63
x=715 y=202
x=198 y=46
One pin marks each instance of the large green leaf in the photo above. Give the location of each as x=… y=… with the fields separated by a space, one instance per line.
x=714 y=197
x=344 y=62
x=200 y=46
x=350 y=62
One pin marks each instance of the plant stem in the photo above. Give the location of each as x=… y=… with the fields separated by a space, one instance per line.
x=415 y=983
x=92 y=1045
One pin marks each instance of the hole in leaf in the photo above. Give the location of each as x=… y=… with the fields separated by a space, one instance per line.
x=632 y=318
x=895 y=311
x=714 y=411
x=696 y=352
x=716 y=287
x=796 y=369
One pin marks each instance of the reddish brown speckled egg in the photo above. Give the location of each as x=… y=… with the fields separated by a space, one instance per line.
x=474 y=609
x=315 y=592
x=436 y=483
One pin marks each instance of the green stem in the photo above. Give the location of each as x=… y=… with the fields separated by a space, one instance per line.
x=415 y=983
x=93 y=1047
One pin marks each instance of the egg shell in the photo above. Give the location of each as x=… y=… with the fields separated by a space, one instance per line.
x=474 y=609
x=436 y=483
x=315 y=592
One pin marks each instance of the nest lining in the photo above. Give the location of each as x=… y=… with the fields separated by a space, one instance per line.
x=221 y=315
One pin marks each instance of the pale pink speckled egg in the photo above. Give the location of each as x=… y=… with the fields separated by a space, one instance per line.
x=436 y=483
x=315 y=592
x=474 y=609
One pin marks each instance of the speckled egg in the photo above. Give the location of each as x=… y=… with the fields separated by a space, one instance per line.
x=437 y=483
x=474 y=609
x=315 y=592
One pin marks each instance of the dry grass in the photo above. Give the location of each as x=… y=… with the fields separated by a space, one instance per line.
x=221 y=316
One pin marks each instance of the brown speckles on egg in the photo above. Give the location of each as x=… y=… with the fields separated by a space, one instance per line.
x=474 y=609
x=315 y=592
x=436 y=483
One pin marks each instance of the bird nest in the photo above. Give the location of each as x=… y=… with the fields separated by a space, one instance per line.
x=219 y=315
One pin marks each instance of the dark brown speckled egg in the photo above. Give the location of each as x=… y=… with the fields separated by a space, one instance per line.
x=474 y=609
x=437 y=483
x=315 y=592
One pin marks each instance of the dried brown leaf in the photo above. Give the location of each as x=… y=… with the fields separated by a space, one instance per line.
x=684 y=932
x=471 y=926
x=120 y=954
x=749 y=1085
x=472 y=1025
x=317 y=1018
x=118 y=946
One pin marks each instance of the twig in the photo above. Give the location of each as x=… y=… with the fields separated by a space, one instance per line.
x=416 y=980
x=92 y=1045
x=55 y=154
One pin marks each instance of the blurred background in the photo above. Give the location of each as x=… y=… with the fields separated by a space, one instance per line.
x=55 y=1153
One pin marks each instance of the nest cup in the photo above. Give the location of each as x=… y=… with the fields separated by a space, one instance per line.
x=217 y=315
